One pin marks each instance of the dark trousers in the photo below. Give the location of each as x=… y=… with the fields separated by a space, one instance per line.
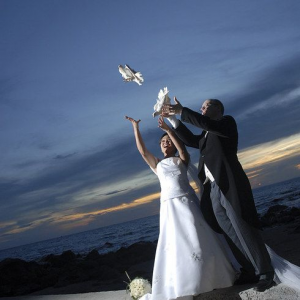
x=244 y=240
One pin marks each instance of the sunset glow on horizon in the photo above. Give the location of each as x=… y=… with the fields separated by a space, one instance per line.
x=251 y=158
x=270 y=152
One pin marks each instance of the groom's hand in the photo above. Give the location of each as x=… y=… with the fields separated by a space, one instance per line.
x=172 y=109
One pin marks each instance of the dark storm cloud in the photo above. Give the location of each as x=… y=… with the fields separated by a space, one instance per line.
x=25 y=225
x=64 y=156
x=9 y=188
x=62 y=181
x=278 y=118
x=26 y=164
x=115 y=192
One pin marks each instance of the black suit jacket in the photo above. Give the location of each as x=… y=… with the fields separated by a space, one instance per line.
x=218 y=150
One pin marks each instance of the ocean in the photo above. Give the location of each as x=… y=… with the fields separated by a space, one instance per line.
x=112 y=238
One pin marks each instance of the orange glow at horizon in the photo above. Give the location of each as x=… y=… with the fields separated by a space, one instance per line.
x=83 y=219
x=270 y=152
x=252 y=159
x=134 y=203
x=253 y=174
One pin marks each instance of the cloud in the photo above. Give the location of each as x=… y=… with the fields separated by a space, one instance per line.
x=71 y=220
x=114 y=192
x=273 y=161
x=253 y=174
x=64 y=156
x=87 y=180
x=276 y=101
x=123 y=206
x=270 y=152
x=269 y=107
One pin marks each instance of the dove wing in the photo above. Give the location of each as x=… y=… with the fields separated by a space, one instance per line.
x=163 y=98
x=128 y=72
x=130 y=69
x=139 y=76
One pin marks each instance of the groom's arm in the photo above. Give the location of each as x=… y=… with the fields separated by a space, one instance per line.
x=225 y=127
x=187 y=137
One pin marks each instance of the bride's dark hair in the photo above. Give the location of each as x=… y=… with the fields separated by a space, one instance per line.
x=164 y=134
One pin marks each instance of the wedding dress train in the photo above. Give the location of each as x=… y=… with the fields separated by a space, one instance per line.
x=285 y=272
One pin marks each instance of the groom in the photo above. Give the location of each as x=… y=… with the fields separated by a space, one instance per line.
x=227 y=202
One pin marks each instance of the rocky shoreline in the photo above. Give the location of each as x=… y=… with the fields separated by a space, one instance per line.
x=68 y=272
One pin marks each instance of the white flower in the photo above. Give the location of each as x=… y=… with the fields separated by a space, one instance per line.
x=138 y=287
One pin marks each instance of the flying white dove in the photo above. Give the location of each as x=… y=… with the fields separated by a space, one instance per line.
x=129 y=74
x=163 y=98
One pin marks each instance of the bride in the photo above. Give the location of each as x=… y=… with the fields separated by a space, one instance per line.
x=190 y=258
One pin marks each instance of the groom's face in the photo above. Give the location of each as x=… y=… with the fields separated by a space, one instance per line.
x=209 y=109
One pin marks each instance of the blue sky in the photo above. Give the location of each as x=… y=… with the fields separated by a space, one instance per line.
x=68 y=157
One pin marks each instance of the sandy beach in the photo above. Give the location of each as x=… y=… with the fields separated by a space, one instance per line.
x=282 y=237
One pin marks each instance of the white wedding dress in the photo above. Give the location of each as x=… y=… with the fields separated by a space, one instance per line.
x=190 y=258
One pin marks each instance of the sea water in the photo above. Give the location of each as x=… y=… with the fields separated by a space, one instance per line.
x=112 y=238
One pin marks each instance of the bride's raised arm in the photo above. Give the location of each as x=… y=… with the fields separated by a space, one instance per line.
x=183 y=154
x=149 y=158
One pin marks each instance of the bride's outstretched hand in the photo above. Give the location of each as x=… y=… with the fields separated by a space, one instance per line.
x=133 y=121
x=162 y=124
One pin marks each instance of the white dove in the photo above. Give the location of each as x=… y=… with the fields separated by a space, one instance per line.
x=163 y=98
x=129 y=74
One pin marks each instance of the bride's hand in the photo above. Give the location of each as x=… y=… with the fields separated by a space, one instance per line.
x=162 y=124
x=133 y=121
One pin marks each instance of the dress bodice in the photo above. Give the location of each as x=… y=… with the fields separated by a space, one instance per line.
x=172 y=174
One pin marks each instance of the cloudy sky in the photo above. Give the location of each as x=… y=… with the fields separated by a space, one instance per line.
x=68 y=156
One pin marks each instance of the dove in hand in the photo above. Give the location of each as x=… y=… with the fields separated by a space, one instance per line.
x=163 y=98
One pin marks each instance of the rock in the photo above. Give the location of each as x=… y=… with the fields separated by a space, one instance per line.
x=68 y=256
x=137 y=252
x=106 y=273
x=295 y=211
x=297 y=230
x=276 y=208
x=279 y=214
x=93 y=255
x=285 y=219
x=276 y=200
x=59 y=260
x=18 y=277
x=107 y=245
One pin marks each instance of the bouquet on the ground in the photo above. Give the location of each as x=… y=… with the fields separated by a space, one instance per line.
x=138 y=287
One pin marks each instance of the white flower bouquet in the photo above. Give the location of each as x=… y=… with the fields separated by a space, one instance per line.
x=138 y=287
